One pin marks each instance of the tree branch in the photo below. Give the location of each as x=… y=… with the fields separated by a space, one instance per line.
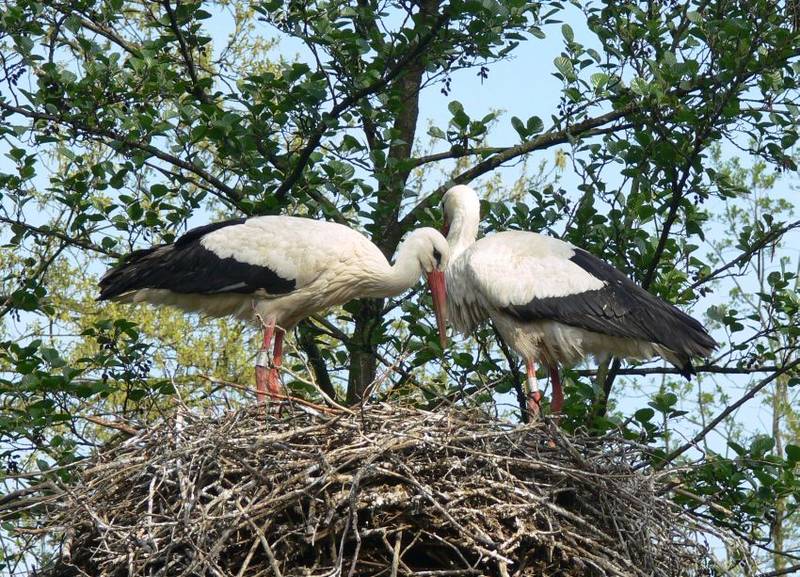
x=456 y=152
x=186 y=54
x=328 y=207
x=709 y=369
x=725 y=413
x=226 y=192
x=84 y=244
x=316 y=136
x=779 y=572
x=308 y=343
x=332 y=329
x=512 y=364
x=584 y=128
x=589 y=127
x=99 y=29
x=772 y=236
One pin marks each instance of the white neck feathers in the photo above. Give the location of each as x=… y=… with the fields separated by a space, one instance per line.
x=463 y=213
x=392 y=280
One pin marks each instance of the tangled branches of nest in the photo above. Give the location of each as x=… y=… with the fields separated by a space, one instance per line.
x=386 y=491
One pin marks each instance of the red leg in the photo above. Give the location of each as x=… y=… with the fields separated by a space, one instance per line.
x=558 y=393
x=262 y=363
x=274 y=382
x=534 y=397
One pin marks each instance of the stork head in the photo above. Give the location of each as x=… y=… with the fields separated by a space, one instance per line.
x=462 y=212
x=433 y=253
x=432 y=249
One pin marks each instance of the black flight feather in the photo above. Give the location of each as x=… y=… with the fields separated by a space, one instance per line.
x=187 y=267
x=621 y=309
x=197 y=233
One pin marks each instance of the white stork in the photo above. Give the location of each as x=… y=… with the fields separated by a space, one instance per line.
x=278 y=270
x=555 y=303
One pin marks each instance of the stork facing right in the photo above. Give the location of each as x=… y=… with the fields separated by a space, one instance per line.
x=555 y=303
x=278 y=270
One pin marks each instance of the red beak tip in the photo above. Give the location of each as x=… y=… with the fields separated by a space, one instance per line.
x=436 y=281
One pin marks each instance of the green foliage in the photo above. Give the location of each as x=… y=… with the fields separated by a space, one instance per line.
x=123 y=123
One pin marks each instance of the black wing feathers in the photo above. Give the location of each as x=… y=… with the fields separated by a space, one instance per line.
x=187 y=267
x=199 y=232
x=620 y=309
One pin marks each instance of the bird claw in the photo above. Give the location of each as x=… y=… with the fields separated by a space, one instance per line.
x=534 y=405
x=268 y=389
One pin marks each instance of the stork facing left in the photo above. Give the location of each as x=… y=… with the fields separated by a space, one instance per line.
x=278 y=270
x=554 y=302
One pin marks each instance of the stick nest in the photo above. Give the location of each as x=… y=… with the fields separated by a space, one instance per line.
x=386 y=491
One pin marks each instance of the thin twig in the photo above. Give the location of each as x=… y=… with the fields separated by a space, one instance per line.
x=726 y=412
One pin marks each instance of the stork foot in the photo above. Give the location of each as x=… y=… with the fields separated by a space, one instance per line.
x=263 y=363
x=262 y=384
x=534 y=405
x=274 y=384
x=268 y=387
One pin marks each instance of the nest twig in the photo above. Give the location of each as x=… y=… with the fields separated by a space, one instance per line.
x=387 y=491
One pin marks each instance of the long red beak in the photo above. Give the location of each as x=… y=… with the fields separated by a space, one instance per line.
x=439 y=295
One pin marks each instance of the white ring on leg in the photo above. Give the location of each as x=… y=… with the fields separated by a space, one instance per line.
x=262 y=359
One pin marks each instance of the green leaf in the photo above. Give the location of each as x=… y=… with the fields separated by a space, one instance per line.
x=598 y=79
x=761 y=445
x=16 y=153
x=52 y=357
x=519 y=126
x=436 y=132
x=504 y=386
x=534 y=125
x=564 y=66
x=793 y=453
x=24 y=43
x=135 y=211
x=566 y=30
x=455 y=107
x=640 y=86
x=738 y=449
x=663 y=402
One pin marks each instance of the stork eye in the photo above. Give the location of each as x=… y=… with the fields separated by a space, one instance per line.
x=438 y=256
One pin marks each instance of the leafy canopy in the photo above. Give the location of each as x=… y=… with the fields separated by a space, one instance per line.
x=123 y=122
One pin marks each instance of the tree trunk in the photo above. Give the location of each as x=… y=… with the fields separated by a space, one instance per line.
x=779 y=402
x=386 y=232
x=363 y=348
